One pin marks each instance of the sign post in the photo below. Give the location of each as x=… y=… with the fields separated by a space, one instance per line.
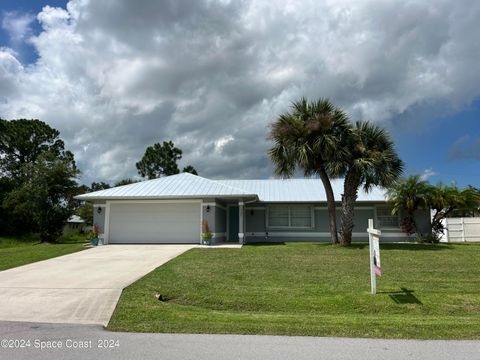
x=374 y=247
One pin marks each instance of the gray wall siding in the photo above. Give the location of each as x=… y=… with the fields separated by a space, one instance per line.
x=217 y=221
x=99 y=219
x=362 y=214
x=220 y=220
x=210 y=217
x=220 y=224
x=256 y=229
x=254 y=220
x=423 y=220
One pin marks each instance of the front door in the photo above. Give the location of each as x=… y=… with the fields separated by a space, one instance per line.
x=233 y=223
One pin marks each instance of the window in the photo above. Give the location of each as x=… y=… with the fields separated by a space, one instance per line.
x=295 y=216
x=385 y=219
x=278 y=216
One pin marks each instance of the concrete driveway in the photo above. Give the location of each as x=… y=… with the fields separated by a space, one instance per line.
x=80 y=288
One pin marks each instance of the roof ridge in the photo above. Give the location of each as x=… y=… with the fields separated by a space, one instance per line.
x=217 y=183
x=277 y=179
x=229 y=187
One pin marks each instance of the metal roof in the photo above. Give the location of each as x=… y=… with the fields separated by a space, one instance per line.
x=299 y=190
x=75 y=219
x=183 y=185
x=186 y=185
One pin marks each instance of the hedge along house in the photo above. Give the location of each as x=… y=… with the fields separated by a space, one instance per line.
x=171 y=210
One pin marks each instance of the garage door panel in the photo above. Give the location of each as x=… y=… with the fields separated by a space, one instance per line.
x=154 y=223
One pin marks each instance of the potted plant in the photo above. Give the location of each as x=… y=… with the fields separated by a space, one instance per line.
x=207 y=235
x=95 y=236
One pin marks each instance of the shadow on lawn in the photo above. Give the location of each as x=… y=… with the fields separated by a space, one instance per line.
x=405 y=296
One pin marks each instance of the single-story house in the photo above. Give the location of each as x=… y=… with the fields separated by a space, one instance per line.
x=172 y=209
x=75 y=224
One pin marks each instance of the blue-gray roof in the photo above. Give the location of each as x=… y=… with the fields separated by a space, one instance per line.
x=186 y=185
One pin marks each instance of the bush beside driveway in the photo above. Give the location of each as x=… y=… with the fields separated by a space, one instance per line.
x=427 y=292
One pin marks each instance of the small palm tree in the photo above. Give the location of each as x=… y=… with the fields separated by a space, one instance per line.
x=444 y=199
x=372 y=161
x=309 y=137
x=409 y=195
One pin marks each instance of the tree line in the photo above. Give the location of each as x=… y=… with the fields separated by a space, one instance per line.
x=39 y=178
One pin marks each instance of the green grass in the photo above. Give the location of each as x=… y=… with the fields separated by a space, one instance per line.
x=20 y=251
x=427 y=292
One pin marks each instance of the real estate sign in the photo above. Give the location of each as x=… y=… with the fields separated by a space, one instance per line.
x=376 y=256
x=374 y=246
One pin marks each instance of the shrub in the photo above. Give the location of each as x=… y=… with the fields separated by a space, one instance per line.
x=428 y=239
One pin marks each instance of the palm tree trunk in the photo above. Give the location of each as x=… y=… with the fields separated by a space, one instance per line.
x=330 y=203
x=349 y=197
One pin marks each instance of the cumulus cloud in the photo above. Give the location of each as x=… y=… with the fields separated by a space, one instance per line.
x=17 y=25
x=116 y=76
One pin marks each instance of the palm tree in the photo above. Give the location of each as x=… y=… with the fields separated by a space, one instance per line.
x=372 y=161
x=443 y=199
x=409 y=195
x=309 y=137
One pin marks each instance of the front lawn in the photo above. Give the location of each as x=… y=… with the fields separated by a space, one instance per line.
x=427 y=292
x=20 y=251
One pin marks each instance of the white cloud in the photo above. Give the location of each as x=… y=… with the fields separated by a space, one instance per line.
x=427 y=174
x=116 y=76
x=53 y=17
x=17 y=25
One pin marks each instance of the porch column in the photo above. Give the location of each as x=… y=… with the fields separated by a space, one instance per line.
x=241 y=233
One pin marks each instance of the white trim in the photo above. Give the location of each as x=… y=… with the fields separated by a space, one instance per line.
x=299 y=234
x=201 y=223
x=395 y=234
x=340 y=208
x=106 y=231
x=214 y=204
x=133 y=201
x=241 y=222
x=464 y=236
x=99 y=205
x=315 y=234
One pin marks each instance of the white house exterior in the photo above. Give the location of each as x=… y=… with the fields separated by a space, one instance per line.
x=172 y=209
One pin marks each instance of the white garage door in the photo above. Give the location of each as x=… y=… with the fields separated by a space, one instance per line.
x=154 y=223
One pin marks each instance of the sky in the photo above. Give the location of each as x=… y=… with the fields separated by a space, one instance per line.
x=116 y=76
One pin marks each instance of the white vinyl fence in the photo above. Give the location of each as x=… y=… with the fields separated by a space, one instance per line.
x=462 y=229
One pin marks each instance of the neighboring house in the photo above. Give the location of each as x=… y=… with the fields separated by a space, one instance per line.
x=75 y=224
x=171 y=210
